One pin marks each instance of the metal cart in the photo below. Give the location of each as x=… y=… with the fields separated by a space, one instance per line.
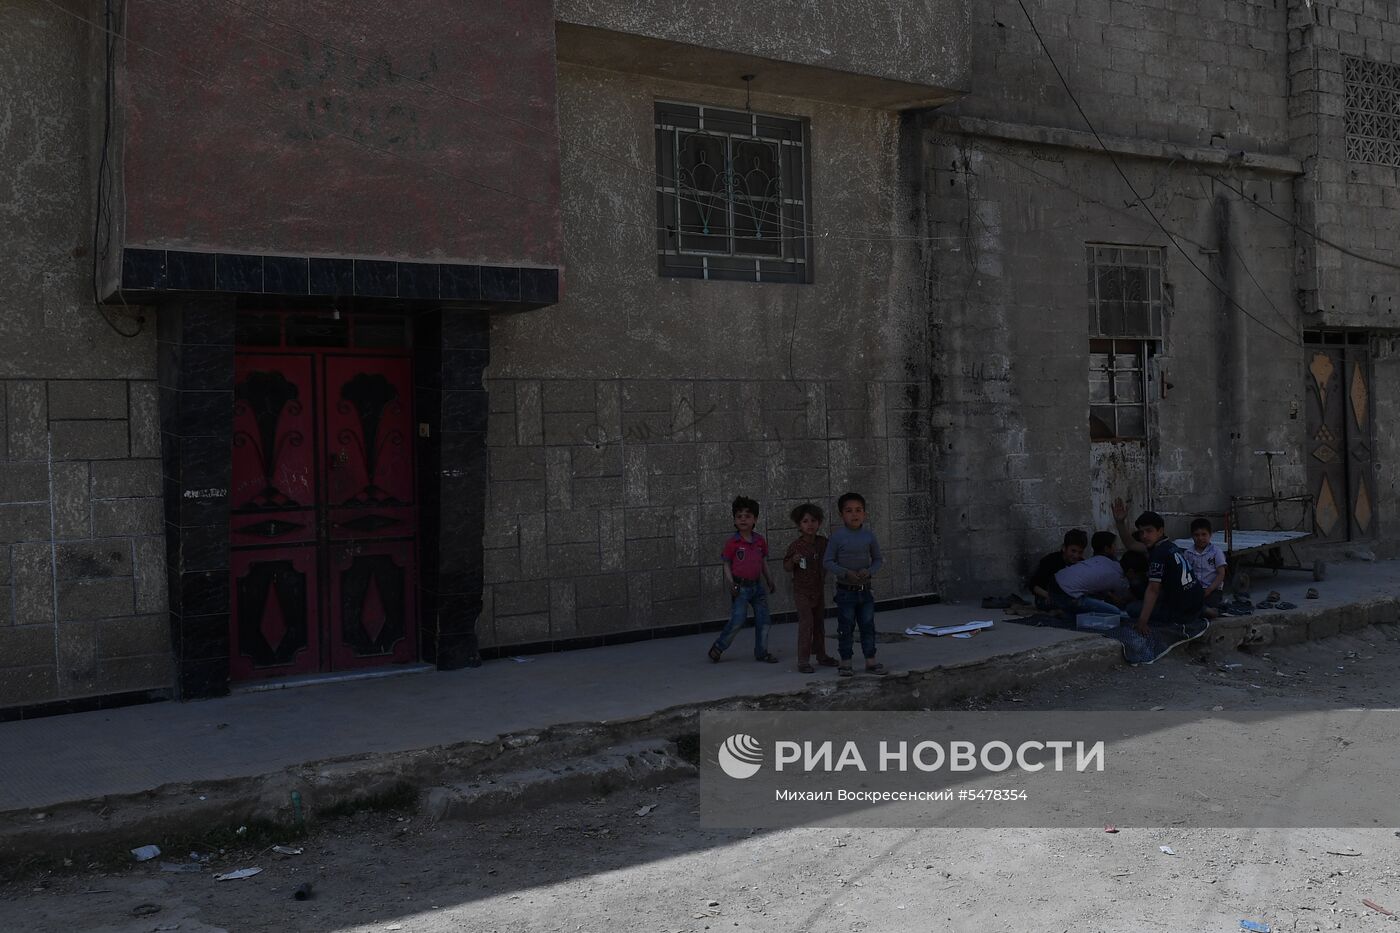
x=1264 y=531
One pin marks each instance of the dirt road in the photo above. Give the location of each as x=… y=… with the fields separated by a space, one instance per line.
x=599 y=866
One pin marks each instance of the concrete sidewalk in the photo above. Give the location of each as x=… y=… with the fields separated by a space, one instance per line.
x=214 y=757
x=83 y=756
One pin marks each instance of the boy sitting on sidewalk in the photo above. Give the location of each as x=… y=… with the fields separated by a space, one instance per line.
x=853 y=558
x=1094 y=585
x=804 y=561
x=1208 y=563
x=1173 y=600
x=746 y=571
x=1042 y=582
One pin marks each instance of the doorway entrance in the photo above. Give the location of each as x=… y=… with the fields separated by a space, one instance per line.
x=324 y=512
x=1341 y=465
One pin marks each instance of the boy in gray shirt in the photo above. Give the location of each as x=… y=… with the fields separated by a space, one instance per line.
x=853 y=558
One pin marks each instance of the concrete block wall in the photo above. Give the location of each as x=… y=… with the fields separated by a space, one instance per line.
x=610 y=500
x=1350 y=204
x=1348 y=275
x=83 y=600
x=1195 y=72
x=82 y=553
x=626 y=418
x=1012 y=465
x=1182 y=80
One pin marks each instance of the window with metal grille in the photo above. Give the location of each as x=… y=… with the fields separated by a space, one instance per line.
x=1118 y=377
x=1125 y=290
x=731 y=195
x=1126 y=299
x=1372 y=111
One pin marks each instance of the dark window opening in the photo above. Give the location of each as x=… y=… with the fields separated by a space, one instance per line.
x=1125 y=290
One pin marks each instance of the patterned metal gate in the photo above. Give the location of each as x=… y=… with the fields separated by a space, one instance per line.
x=1341 y=469
x=324 y=516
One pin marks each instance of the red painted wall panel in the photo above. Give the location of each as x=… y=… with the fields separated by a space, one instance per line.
x=424 y=130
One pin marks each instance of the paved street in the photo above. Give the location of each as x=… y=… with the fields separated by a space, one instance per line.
x=598 y=866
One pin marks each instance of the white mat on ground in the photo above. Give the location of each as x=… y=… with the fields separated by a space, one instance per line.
x=936 y=630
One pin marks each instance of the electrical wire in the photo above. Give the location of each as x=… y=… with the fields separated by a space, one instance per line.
x=1312 y=234
x=1131 y=187
x=1239 y=257
x=102 y=232
x=1137 y=217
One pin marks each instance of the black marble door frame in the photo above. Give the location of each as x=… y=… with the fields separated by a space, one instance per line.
x=195 y=370
x=451 y=350
x=195 y=339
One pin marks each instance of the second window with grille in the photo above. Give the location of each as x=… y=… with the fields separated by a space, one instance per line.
x=1126 y=300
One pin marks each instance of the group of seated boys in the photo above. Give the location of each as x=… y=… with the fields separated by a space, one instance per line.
x=1154 y=583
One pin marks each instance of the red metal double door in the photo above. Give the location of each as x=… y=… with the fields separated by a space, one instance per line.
x=324 y=515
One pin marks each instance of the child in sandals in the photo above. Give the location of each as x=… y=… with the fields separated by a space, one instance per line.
x=804 y=561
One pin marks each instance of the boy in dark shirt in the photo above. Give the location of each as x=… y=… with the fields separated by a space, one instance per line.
x=804 y=561
x=1134 y=565
x=1042 y=582
x=1173 y=601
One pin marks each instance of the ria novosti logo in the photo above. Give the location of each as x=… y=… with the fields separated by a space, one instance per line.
x=741 y=756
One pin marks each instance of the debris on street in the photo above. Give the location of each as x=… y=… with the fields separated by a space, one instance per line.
x=238 y=875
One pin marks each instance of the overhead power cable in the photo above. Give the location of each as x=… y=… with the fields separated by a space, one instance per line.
x=1175 y=242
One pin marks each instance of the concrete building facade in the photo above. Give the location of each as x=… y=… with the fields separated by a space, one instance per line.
x=439 y=337
x=1181 y=175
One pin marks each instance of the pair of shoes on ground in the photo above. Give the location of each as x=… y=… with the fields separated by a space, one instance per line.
x=806 y=666
x=878 y=669
x=715 y=654
x=1239 y=606
x=1275 y=601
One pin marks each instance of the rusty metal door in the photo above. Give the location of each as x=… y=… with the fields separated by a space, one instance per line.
x=1341 y=467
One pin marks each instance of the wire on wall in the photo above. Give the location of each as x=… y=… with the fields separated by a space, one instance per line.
x=102 y=210
x=1293 y=340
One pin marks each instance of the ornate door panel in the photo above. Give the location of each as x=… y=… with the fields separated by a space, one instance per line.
x=1361 y=477
x=323 y=531
x=275 y=612
x=273 y=524
x=370 y=505
x=1340 y=463
x=371 y=603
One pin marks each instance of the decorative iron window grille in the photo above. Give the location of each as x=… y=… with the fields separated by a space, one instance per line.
x=731 y=195
x=1372 y=111
x=1125 y=290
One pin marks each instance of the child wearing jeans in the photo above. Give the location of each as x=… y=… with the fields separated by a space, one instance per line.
x=746 y=571
x=853 y=558
x=804 y=561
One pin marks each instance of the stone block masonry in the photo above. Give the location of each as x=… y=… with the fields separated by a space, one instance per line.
x=82 y=558
x=608 y=507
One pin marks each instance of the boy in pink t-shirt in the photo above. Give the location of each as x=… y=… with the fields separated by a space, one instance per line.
x=746 y=571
